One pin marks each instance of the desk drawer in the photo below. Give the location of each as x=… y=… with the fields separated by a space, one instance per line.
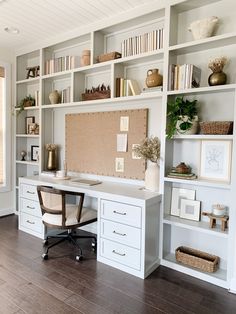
x=29 y=191
x=121 y=212
x=123 y=234
x=31 y=222
x=120 y=253
x=30 y=207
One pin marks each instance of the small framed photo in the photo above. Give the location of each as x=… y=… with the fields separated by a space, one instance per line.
x=34 y=153
x=190 y=209
x=28 y=121
x=215 y=163
x=176 y=197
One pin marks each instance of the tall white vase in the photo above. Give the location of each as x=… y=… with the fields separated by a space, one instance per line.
x=152 y=175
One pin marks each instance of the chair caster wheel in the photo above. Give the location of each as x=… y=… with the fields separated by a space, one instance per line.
x=79 y=258
x=94 y=247
x=45 y=242
x=45 y=256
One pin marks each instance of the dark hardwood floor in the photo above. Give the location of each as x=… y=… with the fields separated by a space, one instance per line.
x=61 y=285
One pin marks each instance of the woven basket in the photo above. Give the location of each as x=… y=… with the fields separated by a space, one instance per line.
x=197 y=259
x=108 y=56
x=216 y=127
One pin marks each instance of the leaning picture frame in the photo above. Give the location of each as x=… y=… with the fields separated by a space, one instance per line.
x=190 y=209
x=176 y=196
x=34 y=153
x=215 y=160
x=28 y=120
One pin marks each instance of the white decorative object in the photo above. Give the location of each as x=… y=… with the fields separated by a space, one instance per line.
x=152 y=174
x=218 y=210
x=190 y=209
x=192 y=130
x=177 y=195
x=203 y=28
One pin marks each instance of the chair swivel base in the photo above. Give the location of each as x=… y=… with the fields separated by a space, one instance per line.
x=71 y=237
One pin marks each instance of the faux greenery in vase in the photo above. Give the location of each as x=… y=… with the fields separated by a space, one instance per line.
x=149 y=149
x=181 y=116
x=28 y=101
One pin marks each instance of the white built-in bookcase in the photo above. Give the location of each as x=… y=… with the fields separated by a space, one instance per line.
x=215 y=103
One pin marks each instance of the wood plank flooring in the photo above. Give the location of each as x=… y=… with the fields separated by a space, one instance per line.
x=61 y=285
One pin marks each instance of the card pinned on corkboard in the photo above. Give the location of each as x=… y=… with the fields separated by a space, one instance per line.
x=91 y=142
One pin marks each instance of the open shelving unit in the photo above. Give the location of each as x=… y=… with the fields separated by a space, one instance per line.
x=215 y=103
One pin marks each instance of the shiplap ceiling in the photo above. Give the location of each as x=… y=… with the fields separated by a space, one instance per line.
x=38 y=20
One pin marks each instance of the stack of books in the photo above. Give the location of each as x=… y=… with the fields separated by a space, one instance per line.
x=65 y=95
x=152 y=89
x=126 y=87
x=185 y=176
x=143 y=43
x=183 y=76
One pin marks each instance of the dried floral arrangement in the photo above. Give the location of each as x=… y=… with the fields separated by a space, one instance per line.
x=149 y=149
x=217 y=64
x=50 y=147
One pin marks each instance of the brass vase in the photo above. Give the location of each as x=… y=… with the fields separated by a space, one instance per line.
x=52 y=162
x=153 y=78
x=217 y=78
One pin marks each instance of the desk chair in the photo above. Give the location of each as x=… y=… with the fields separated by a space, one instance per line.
x=58 y=214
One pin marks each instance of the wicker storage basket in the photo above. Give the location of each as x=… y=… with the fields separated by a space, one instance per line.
x=108 y=56
x=216 y=127
x=197 y=259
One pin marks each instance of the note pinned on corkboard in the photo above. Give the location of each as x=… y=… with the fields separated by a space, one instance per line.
x=91 y=142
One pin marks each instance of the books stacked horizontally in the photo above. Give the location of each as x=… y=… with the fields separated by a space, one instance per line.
x=152 y=89
x=126 y=87
x=142 y=43
x=185 y=176
x=183 y=76
x=60 y=64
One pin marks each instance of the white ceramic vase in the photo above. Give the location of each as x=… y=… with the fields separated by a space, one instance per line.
x=152 y=175
x=192 y=130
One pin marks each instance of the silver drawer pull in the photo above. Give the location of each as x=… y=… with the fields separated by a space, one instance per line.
x=30 y=222
x=30 y=207
x=29 y=192
x=115 y=212
x=114 y=251
x=121 y=234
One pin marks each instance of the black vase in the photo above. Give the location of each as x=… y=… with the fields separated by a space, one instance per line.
x=217 y=78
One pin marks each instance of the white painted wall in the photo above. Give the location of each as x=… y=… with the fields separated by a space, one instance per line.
x=7 y=198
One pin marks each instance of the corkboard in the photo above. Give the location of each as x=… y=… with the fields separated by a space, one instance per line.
x=91 y=142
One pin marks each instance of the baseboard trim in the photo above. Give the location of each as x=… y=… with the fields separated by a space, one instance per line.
x=6 y=211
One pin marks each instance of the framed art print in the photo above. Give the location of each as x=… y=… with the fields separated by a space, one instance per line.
x=190 y=209
x=215 y=163
x=34 y=153
x=176 y=197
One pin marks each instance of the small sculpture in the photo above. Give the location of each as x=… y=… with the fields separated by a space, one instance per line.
x=203 y=28
x=23 y=154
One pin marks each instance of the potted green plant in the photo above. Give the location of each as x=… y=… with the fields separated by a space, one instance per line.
x=28 y=101
x=181 y=116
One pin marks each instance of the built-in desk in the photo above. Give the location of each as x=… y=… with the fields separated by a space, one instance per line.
x=128 y=221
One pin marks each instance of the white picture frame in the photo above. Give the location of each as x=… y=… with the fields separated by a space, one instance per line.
x=190 y=209
x=177 y=195
x=215 y=160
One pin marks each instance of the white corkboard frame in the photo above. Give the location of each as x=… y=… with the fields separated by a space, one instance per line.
x=91 y=142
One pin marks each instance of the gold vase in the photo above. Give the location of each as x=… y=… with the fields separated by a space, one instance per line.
x=217 y=78
x=153 y=78
x=52 y=162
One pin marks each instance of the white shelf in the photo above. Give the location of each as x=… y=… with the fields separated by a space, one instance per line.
x=200 y=226
x=198 y=182
x=203 y=90
x=28 y=135
x=27 y=162
x=29 y=80
x=107 y=100
x=203 y=137
x=28 y=108
x=218 y=278
x=204 y=44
